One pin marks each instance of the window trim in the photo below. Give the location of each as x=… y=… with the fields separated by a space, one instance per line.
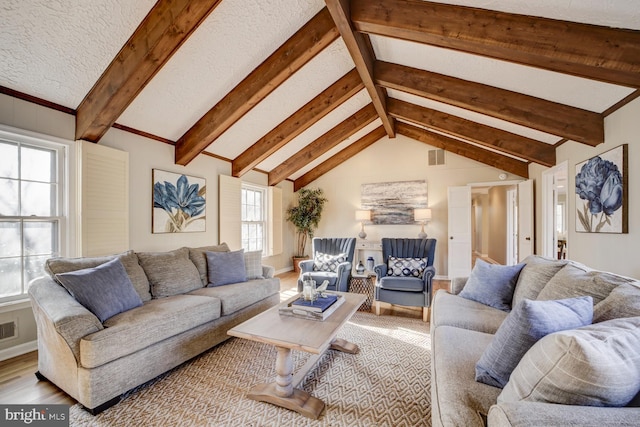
x=265 y=214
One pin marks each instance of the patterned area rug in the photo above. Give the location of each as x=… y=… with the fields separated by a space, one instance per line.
x=386 y=384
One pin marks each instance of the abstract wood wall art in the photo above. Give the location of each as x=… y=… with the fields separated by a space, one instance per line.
x=394 y=202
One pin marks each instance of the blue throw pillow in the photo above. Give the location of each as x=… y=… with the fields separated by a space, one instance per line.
x=492 y=284
x=105 y=290
x=226 y=267
x=529 y=322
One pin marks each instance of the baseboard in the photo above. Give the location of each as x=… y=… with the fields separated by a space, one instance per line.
x=440 y=277
x=284 y=270
x=18 y=350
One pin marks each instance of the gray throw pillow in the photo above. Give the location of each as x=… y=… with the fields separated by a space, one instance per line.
x=534 y=276
x=170 y=273
x=623 y=301
x=253 y=265
x=524 y=326
x=492 y=284
x=105 y=290
x=226 y=268
x=596 y=365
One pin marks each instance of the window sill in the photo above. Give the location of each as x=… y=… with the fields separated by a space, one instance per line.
x=20 y=304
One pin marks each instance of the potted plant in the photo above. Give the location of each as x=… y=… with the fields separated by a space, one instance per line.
x=305 y=217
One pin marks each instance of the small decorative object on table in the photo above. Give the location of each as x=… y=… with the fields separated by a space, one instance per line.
x=360 y=268
x=309 y=292
x=370 y=263
x=319 y=309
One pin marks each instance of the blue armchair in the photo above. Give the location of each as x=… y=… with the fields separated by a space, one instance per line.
x=404 y=284
x=338 y=279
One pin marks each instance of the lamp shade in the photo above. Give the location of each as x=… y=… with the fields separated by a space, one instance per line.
x=423 y=214
x=363 y=215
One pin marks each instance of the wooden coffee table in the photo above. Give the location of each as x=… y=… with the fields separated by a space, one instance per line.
x=288 y=333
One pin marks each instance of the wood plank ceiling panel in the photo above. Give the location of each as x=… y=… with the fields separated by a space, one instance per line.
x=481 y=155
x=299 y=49
x=601 y=53
x=298 y=122
x=340 y=157
x=361 y=52
x=565 y=121
x=165 y=28
x=324 y=143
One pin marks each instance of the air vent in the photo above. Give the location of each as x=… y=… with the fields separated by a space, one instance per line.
x=436 y=157
x=7 y=330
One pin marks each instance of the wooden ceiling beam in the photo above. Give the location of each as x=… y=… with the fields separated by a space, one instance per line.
x=478 y=154
x=167 y=25
x=568 y=122
x=517 y=145
x=361 y=52
x=299 y=49
x=298 y=122
x=341 y=157
x=324 y=143
x=607 y=54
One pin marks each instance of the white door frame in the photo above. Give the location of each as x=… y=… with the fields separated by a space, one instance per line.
x=549 y=199
x=512 y=227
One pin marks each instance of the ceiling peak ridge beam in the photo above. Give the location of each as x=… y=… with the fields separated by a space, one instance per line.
x=596 y=52
x=361 y=51
x=324 y=143
x=340 y=157
x=499 y=161
x=517 y=145
x=165 y=28
x=297 y=51
x=327 y=101
x=551 y=117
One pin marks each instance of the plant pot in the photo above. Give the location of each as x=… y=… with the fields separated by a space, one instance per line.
x=296 y=260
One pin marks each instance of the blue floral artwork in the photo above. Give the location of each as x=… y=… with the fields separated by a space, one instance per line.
x=178 y=203
x=601 y=193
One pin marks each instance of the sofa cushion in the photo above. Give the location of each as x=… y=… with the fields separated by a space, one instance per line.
x=406 y=267
x=409 y=284
x=328 y=262
x=492 y=284
x=623 y=301
x=596 y=365
x=136 y=329
x=225 y=268
x=129 y=260
x=534 y=276
x=453 y=310
x=199 y=259
x=237 y=296
x=170 y=273
x=457 y=399
x=576 y=280
x=528 y=322
x=105 y=290
x=253 y=265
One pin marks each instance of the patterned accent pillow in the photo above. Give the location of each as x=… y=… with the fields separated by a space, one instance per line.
x=406 y=267
x=253 y=265
x=328 y=262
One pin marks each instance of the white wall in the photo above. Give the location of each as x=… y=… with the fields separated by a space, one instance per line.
x=391 y=160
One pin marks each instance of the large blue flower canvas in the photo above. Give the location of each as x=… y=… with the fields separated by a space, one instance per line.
x=179 y=203
x=602 y=193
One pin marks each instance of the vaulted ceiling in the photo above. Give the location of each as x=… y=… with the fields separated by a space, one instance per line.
x=295 y=87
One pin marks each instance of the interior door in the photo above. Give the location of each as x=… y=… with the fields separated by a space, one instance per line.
x=525 y=219
x=459 y=199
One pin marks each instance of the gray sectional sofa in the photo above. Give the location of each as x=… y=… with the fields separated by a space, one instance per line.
x=579 y=377
x=178 y=317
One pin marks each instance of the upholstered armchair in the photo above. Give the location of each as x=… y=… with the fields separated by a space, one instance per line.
x=406 y=275
x=332 y=261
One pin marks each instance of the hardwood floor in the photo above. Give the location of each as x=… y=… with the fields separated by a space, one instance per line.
x=19 y=385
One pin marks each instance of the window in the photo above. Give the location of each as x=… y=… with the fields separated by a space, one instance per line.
x=254 y=214
x=30 y=211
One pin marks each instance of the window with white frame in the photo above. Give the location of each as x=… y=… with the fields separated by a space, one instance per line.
x=31 y=214
x=254 y=217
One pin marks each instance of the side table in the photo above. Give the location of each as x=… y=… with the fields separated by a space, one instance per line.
x=363 y=284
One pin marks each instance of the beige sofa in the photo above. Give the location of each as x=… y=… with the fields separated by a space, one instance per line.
x=462 y=329
x=180 y=317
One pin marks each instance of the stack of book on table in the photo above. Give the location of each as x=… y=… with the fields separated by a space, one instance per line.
x=319 y=309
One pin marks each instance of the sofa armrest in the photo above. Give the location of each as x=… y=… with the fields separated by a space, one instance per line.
x=457 y=284
x=380 y=270
x=56 y=310
x=548 y=414
x=268 y=271
x=343 y=271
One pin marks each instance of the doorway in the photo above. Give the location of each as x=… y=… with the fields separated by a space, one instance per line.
x=555 y=235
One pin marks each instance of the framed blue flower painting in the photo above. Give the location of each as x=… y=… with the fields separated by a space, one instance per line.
x=602 y=193
x=179 y=203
